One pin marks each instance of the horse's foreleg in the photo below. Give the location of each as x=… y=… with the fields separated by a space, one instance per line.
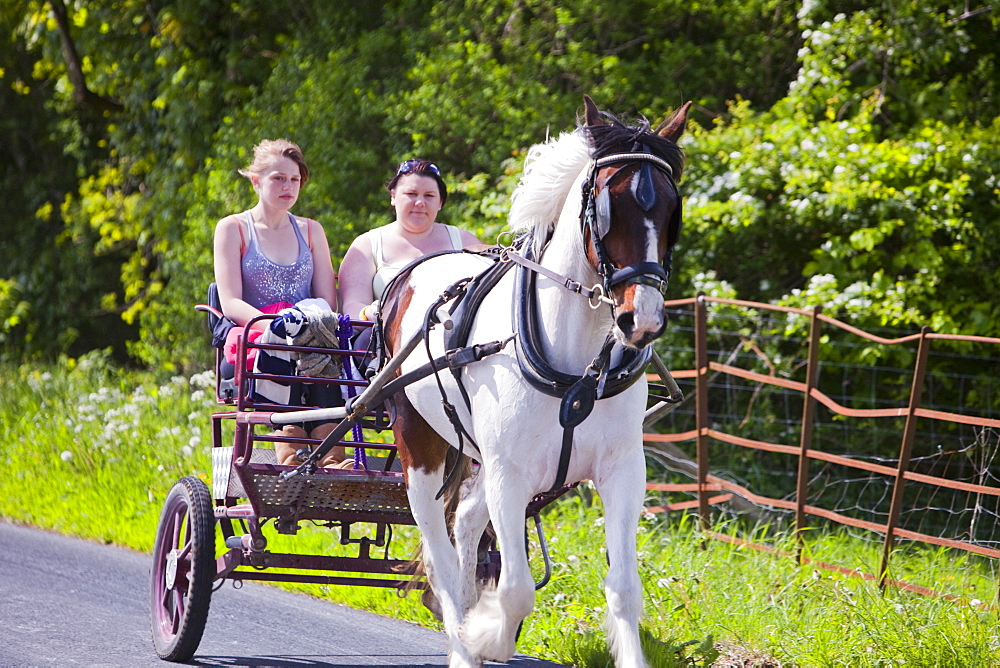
x=440 y=560
x=471 y=518
x=622 y=488
x=490 y=628
x=423 y=454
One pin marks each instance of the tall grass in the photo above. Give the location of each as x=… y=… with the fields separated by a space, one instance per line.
x=91 y=451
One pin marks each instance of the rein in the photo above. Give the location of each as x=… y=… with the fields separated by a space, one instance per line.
x=596 y=295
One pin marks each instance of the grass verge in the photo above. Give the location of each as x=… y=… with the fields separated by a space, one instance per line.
x=91 y=451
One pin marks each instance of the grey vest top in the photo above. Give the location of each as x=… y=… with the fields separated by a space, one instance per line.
x=266 y=282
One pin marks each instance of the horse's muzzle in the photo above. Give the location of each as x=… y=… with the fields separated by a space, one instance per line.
x=639 y=326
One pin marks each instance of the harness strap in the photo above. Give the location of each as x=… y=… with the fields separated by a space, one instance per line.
x=595 y=293
x=454 y=292
x=564 y=454
x=647 y=273
x=576 y=406
x=378 y=340
x=536 y=369
x=463 y=356
x=632 y=157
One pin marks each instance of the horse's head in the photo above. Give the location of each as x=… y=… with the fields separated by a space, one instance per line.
x=632 y=217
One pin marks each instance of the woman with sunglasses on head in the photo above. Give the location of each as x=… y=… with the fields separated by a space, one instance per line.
x=417 y=192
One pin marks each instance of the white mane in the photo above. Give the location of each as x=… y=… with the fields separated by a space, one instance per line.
x=549 y=171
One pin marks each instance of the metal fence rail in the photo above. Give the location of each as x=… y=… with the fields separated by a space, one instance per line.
x=712 y=489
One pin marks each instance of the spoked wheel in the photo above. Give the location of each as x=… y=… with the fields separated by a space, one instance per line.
x=183 y=570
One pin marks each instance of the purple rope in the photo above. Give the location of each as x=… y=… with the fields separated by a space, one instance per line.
x=344 y=333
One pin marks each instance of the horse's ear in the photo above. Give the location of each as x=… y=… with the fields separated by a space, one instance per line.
x=592 y=115
x=673 y=127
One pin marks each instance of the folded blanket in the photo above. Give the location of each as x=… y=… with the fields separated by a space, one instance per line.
x=278 y=362
x=310 y=322
x=320 y=332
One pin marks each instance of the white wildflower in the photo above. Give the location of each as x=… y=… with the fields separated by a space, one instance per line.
x=204 y=380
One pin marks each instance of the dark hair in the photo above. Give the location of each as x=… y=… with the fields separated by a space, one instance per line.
x=421 y=168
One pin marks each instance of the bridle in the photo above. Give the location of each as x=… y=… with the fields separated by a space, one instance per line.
x=601 y=379
x=596 y=218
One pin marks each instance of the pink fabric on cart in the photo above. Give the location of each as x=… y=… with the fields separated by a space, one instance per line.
x=233 y=337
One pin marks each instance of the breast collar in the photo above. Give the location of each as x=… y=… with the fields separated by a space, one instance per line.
x=540 y=373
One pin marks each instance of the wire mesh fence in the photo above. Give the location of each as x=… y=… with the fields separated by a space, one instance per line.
x=838 y=443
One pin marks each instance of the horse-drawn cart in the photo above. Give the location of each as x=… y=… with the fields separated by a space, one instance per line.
x=249 y=490
x=247 y=493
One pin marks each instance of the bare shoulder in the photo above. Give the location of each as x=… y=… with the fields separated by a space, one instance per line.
x=363 y=243
x=469 y=239
x=228 y=226
x=315 y=226
x=232 y=220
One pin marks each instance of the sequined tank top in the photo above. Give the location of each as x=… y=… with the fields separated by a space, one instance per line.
x=266 y=282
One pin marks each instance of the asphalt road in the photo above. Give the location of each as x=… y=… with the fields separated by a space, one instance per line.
x=65 y=601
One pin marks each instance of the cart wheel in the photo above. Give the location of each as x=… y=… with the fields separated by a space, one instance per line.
x=183 y=570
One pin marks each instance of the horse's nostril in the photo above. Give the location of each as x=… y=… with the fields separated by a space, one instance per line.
x=626 y=321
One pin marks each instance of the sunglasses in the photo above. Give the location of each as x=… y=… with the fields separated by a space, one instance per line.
x=418 y=166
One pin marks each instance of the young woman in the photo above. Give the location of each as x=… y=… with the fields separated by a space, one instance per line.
x=266 y=255
x=266 y=259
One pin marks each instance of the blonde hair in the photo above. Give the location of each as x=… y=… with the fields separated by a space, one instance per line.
x=269 y=150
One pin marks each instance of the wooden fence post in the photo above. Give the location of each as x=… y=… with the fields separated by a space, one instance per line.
x=808 y=419
x=701 y=406
x=909 y=434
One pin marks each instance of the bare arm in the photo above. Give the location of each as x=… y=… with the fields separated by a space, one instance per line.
x=356 y=274
x=229 y=273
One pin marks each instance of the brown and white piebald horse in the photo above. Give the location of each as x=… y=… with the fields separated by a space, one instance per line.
x=595 y=207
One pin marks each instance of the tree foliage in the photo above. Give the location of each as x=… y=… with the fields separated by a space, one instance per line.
x=878 y=213
x=840 y=153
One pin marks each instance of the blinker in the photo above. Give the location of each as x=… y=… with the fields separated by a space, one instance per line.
x=645 y=192
x=603 y=213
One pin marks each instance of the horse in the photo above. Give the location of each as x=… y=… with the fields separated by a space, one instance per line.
x=551 y=390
